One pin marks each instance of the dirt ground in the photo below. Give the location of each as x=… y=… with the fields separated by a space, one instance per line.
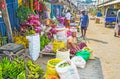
x=106 y=47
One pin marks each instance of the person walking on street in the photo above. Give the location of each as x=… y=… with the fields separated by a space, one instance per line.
x=84 y=21
x=67 y=19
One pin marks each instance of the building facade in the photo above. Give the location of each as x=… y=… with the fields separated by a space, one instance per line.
x=103 y=5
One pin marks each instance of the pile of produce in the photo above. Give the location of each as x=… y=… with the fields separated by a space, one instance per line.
x=23 y=12
x=34 y=70
x=43 y=41
x=29 y=22
x=31 y=25
x=48 y=49
x=53 y=63
x=17 y=69
x=11 y=69
x=63 y=49
x=18 y=39
x=64 y=65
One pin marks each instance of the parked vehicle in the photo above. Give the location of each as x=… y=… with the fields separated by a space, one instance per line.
x=117 y=26
x=110 y=17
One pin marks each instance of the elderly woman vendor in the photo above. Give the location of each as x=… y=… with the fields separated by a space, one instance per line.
x=72 y=43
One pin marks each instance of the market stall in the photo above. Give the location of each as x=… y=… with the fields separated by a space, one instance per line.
x=42 y=35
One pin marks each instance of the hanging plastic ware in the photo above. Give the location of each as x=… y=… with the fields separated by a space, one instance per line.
x=2 y=5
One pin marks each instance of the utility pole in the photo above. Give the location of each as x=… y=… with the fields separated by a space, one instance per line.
x=7 y=22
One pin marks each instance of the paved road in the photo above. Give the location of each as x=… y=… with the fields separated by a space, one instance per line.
x=106 y=47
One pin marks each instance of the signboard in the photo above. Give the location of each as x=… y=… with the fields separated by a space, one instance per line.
x=52 y=1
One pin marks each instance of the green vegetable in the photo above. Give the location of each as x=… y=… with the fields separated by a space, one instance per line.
x=35 y=71
x=16 y=69
x=64 y=65
x=11 y=68
x=1 y=72
x=23 y=12
x=43 y=41
x=21 y=75
x=54 y=63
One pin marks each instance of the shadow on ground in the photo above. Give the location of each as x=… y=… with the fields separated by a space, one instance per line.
x=96 y=40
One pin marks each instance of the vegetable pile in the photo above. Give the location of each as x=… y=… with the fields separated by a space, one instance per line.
x=54 y=63
x=23 y=12
x=17 y=69
x=43 y=41
x=18 y=39
x=63 y=49
x=31 y=25
x=48 y=49
x=64 y=65
x=11 y=69
x=34 y=70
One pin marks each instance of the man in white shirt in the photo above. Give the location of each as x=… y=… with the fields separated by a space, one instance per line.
x=67 y=19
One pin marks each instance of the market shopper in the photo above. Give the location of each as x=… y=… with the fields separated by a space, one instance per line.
x=67 y=19
x=84 y=21
x=72 y=19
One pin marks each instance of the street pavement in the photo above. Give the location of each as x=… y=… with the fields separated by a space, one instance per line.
x=106 y=47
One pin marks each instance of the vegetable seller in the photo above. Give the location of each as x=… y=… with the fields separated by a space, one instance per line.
x=72 y=43
x=84 y=21
x=67 y=19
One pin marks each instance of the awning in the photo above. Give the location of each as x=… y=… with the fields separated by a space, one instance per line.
x=110 y=3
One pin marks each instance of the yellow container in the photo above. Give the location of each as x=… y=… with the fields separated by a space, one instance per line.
x=58 y=45
x=50 y=69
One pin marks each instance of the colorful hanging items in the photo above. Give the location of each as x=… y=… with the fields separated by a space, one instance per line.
x=2 y=5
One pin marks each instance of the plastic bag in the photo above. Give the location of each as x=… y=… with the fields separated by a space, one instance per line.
x=67 y=70
x=34 y=46
x=61 y=34
x=91 y=52
x=85 y=54
x=79 y=61
x=50 y=70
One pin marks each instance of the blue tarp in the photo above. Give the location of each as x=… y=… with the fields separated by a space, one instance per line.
x=2 y=27
x=12 y=5
x=56 y=10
